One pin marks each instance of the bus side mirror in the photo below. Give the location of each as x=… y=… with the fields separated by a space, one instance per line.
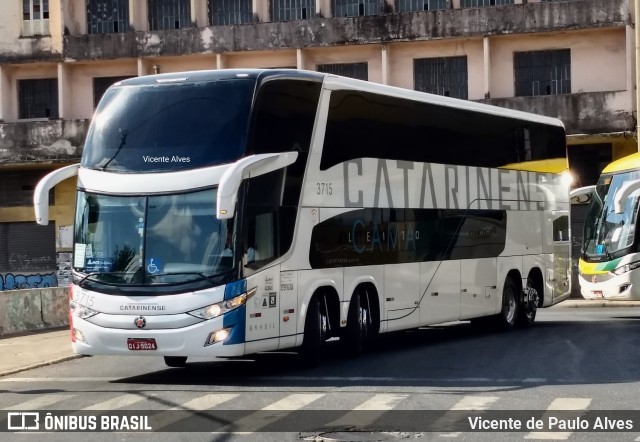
x=252 y=166
x=623 y=193
x=41 y=193
x=581 y=195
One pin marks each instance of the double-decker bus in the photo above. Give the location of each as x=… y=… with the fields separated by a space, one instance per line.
x=610 y=258
x=223 y=213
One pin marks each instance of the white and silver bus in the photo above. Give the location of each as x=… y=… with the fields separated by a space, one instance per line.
x=610 y=260
x=224 y=213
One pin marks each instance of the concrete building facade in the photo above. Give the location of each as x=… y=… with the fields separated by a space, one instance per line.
x=571 y=59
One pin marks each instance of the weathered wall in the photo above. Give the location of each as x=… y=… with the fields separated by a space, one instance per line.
x=582 y=113
x=452 y=23
x=23 y=310
x=53 y=140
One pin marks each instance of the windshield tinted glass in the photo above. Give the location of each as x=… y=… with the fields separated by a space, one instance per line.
x=607 y=232
x=164 y=127
x=168 y=239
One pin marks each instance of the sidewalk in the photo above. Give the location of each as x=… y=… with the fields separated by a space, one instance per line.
x=33 y=350
x=37 y=349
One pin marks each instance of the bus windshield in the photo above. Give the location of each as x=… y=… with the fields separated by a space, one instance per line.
x=607 y=232
x=150 y=240
x=172 y=126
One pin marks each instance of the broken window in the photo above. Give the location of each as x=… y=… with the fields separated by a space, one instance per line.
x=355 y=8
x=35 y=17
x=229 y=12
x=169 y=14
x=542 y=72
x=481 y=3
x=285 y=10
x=359 y=71
x=421 y=5
x=446 y=76
x=107 y=16
x=38 y=98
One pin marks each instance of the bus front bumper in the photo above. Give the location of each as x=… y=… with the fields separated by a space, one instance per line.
x=91 y=339
x=611 y=287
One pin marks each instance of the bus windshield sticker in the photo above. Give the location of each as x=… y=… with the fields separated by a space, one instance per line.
x=79 y=255
x=154 y=265
x=102 y=265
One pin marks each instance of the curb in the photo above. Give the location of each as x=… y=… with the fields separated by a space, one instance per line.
x=596 y=304
x=39 y=364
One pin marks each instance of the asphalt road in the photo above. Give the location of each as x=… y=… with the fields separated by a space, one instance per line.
x=409 y=385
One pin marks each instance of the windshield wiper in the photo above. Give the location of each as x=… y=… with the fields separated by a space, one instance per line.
x=123 y=141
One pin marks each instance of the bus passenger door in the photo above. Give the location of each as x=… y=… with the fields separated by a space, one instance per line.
x=478 y=287
x=559 y=236
x=440 y=291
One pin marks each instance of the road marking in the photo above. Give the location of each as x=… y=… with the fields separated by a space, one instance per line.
x=40 y=402
x=206 y=402
x=117 y=402
x=468 y=403
x=560 y=404
x=254 y=421
x=359 y=379
x=377 y=405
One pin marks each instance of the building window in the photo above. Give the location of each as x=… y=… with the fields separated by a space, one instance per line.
x=359 y=71
x=35 y=17
x=482 y=3
x=169 y=14
x=355 y=8
x=446 y=76
x=38 y=98
x=421 y=5
x=285 y=10
x=542 y=72
x=229 y=12
x=16 y=188
x=107 y=16
x=100 y=86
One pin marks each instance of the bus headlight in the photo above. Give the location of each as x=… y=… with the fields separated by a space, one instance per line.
x=81 y=311
x=626 y=268
x=220 y=308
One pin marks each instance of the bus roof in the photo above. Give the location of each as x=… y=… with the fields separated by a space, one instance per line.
x=335 y=82
x=623 y=164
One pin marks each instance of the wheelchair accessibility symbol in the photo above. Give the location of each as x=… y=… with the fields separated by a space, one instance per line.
x=154 y=265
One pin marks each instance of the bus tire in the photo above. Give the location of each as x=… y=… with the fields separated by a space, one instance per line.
x=508 y=315
x=359 y=325
x=315 y=333
x=529 y=305
x=175 y=361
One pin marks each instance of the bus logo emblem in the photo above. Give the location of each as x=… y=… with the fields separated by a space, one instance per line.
x=140 y=322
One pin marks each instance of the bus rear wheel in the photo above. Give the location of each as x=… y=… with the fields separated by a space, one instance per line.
x=529 y=305
x=508 y=316
x=316 y=332
x=359 y=327
x=175 y=361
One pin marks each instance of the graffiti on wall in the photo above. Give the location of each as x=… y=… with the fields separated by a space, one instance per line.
x=9 y=281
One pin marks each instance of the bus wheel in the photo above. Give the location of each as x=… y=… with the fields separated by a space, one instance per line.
x=175 y=361
x=529 y=305
x=359 y=325
x=507 y=317
x=316 y=332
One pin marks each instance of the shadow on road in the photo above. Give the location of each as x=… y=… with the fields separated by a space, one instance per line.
x=457 y=355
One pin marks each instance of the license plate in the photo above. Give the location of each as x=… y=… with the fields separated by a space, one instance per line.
x=597 y=293
x=141 y=344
